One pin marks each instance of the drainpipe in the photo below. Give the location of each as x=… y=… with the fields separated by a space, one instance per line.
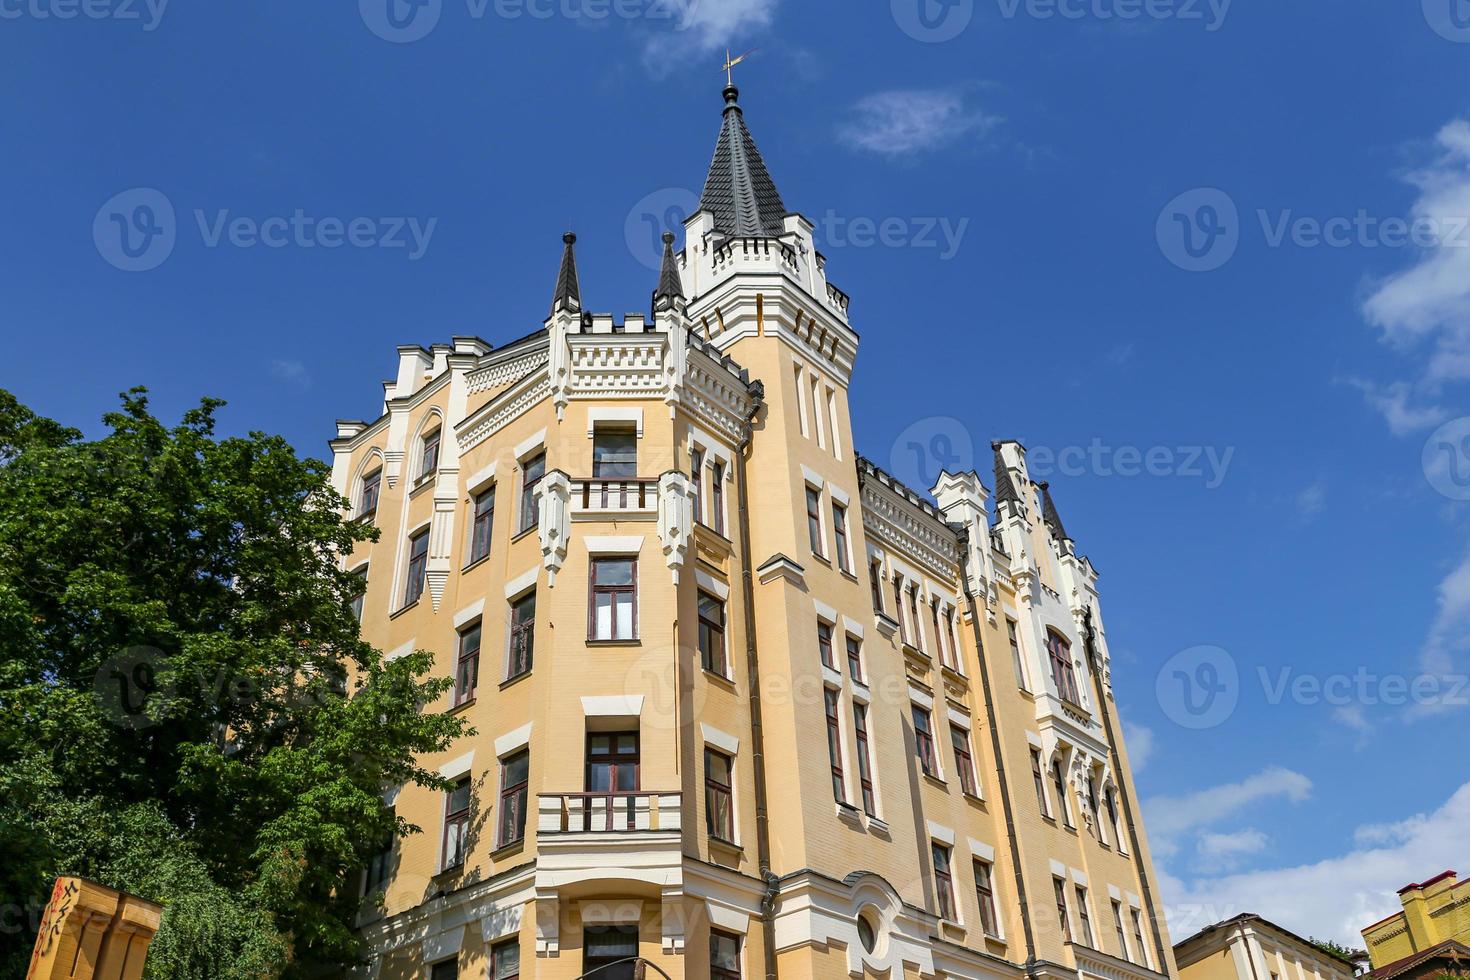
x=752 y=660
x=1000 y=775
x=1090 y=639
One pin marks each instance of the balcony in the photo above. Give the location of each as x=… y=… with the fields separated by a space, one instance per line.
x=629 y=498
x=603 y=813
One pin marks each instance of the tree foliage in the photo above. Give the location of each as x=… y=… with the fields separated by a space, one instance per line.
x=187 y=711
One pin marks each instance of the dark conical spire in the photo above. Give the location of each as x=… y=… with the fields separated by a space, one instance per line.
x=568 y=293
x=670 y=287
x=1005 y=487
x=739 y=192
x=1049 y=514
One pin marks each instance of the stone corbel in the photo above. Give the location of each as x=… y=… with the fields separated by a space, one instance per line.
x=441 y=533
x=553 y=501
x=559 y=366
x=675 y=519
x=548 y=923
x=672 y=915
x=676 y=360
x=392 y=466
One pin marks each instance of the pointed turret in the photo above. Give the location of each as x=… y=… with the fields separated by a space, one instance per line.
x=670 y=291
x=568 y=295
x=1005 y=487
x=1049 y=514
x=739 y=191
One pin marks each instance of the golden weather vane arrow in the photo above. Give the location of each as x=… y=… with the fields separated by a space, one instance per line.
x=729 y=66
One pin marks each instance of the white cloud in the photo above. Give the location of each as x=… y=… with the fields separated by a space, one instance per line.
x=1140 y=742
x=1221 y=852
x=291 y=373
x=1352 y=716
x=909 y=122
x=1392 y=401
x=1335 y=897
x=1171 y=818
x=1311 y=500
x=1448 y=641
x=699 y=27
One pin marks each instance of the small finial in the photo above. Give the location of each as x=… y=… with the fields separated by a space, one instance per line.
x=668 y=238
x=729 y=69
x=570 y=238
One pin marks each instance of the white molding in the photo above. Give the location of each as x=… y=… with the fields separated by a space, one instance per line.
x=712 y=447
x=510 y=741
x=400 y=652
x=501 y=921
x=627 y=544
x=941 y=833
x=1034 y=740
x=469 y=614
x=441 y=946
x=1058 y=869
x=839 y=495
x=812 y=477
x=981 y=850
x=825 y=612
x=530 y=444
x=1079 y=876
x=600 y=414
x=480 y=480
x=522 y=583
x=727 y=918
x=712 y=585
x=853 y=627
x=1114 y=893
x=723 y=741
x=1133 y=901
x=615 y=706
x=922 y=698
x=455 y=768
x=957 y=717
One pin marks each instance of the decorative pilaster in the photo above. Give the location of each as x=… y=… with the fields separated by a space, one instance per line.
x=553 y=502
x=675 y=519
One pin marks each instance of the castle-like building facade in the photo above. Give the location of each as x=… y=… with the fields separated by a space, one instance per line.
x=744 y=704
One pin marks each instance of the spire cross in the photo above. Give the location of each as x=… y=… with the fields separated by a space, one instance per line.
x=729 y=66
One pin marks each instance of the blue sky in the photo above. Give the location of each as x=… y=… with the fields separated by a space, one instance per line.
x=1102 y=226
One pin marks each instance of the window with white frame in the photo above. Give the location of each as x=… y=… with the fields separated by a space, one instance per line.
x=522 y=635
x=839 y=528
x=814 y=522
x=696 y=480
x=482 y=523
x=368 y=492
x=418 y=566
x=615 y=452
x=533 y=469
x=612 y=612
x=429 y=453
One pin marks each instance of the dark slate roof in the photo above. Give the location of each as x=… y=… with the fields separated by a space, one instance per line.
x=739 y=192
x=1005 y=487
x=568 y=291
x=1050 y=515
x=670 y=286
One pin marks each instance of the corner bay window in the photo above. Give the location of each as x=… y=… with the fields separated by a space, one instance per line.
x=603 y=946
x=1064 y=921
x=613 y=608
x=834 y=744
x=446 y=970
x=1083 y=919
x=943 y=882
x=712 y=635
x=924 y=742
x=1137 y=919
x=1118 y=931
x=855 y=659
x=532 y=470
x=1017 y=661
x=467 y=673
x=875 y=577
x=456 y=825
x=696 y=480
x=360 y=596
x=615 y=453
x=522 y=635
x=418 y=564
x=515 y=776
x=719 y=816
x=717 y=498
x=483 y=524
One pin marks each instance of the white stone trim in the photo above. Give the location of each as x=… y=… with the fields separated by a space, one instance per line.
x=470 y=613
x=922 y=698
x=723 y=741
x=1134 y=901
x=441 y=946
x=501 y=922
x=981 y=851
x=727 y=918
x=1079 y=876
x=400 y=652
x=1058 y=869
x=1114 y=893
x=615 y=706
x=712 y=585
x=621 y=912
x=957 y=717
x=853 y=627
x=510 y=741
x=813 y=478
x=941 y=833
x=480 y=480
x=530 y=444
x=825 y=612
x=522 y=583
x=839 y=495
x=600 y=414
x=628 y=544
x=712 y=447
x=455 y=768
x=1034 y=740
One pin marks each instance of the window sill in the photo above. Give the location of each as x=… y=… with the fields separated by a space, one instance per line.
x=461 y=707
x=720 y=679
x=878 y=826
x=505 y=850
x=522 y=533
x=635 y=642
x=847 y=573
x=512 y=681
x=403 y=609
x=823 y=559
x=728 y=847
x=848 y=813
x=427 y=480
x=475 y=564
x=936 y=780
x=977 y=800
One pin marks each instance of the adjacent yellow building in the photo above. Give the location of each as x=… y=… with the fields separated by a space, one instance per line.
x=746 y=705
x=1430 y=937
x=1248 y=947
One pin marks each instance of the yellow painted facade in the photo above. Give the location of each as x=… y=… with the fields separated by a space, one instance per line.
x=1249 y=947
x=710 y=447
x=1435 y=911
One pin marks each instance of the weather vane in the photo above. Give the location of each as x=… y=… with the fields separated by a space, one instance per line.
x=729 y=67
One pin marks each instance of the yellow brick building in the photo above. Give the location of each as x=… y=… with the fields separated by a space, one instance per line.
x=745 y=705
x=1430 y=937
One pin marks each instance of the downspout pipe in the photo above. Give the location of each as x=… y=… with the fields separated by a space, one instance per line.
x=1000 y=773
x=1090 y=638
x=752 y=661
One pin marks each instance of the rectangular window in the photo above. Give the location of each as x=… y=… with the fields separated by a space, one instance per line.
x=839 y=527
x=1083 y=919
x=834 y=745
x=696 y=479
x=467 y=673
x=602 y=946
x=532 y=470
x=1059 y=783
x=924 y=742
x=801 y=403
x=824 y=645
x=817 y=413
x=1110 y=800
x=864 y=759
x=361 y=594
x=1061 y=668
x=1118 y=928
x=1016 y=659
x=875 y=578
x=483 y=524
x=985 y=897
x=963 y=761
x=717 y=496
x=614 y=453
x=1059 y=887
x=918 y=637
x=372 y=487
x=515 y=777
x=903 y=627
x=712 y=635
x=418 y=564
x=522 y=635
x=429 y=460
x=505 y=960
x=814 y=522
x=1040 y=781
x=456 y=824
x=943 y=882
x=1092 y=810
x=1138 y=942
x=447 y=970
x=855 y=659
x=719 y=814
x=375 y=875
x=832 y=418
x=724 y=955
x=613 y=610
x=938 y=633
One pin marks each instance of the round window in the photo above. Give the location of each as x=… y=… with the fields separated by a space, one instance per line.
x=867 y=935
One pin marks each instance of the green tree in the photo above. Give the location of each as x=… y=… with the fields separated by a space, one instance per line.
x=1333 y=948
x=187 y=710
